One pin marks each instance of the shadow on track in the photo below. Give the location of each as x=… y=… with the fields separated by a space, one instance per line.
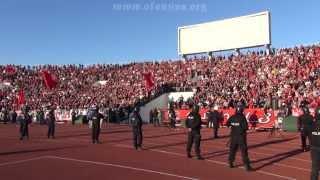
x=224 y=152
x=276 y=158
x=40 y=150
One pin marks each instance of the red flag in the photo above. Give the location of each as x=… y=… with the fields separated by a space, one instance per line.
x=49 y=80
x=10 y=70
x=21 y=99
x=148 y=80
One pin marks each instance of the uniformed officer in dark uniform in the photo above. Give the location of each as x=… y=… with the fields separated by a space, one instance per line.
x=214 y=117
x=51 y=122
x=305 y=122
x=24 y=119
x=315 y=146
x=156 y=121
x=136 y=123
x=194 y=126
x=238 y=137
x=13 y=116
x=95 y=117
x=172 y=118
x=73 y=116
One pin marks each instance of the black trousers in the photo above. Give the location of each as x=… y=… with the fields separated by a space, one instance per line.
x=172 y=123
x=156 y=122
x=304 y=134
x=51 y=129
x=137 y=137
x=194 y=137
x=95 y=132
x=24 y=131
x=315 y=158
x=215 y=130
x=235 y=143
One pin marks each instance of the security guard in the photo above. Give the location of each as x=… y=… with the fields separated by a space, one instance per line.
x=238 y=137
x=24 y=119
x=51 y=120
x=73 y=116
x=172 y=118
x=315 y=146
x=95 y=117
x=194 y=126
x=214 y=117
x=305 y=122
x=136 y=123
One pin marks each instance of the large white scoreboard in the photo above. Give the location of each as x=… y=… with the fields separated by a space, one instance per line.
x=234 y=33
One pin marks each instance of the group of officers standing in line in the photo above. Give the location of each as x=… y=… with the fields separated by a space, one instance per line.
x=238 y=135
x=308 y=126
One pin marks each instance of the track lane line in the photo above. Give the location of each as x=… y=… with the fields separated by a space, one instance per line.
x=208 y=160
x=122 y=166
x=22 y=161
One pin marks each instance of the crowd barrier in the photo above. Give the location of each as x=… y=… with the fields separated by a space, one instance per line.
x=265 y=120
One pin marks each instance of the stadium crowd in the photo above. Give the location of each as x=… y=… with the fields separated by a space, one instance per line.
x=291 y=76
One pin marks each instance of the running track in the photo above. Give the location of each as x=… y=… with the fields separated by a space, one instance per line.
x=72 y=156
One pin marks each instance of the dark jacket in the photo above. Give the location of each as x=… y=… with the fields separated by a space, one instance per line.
x=51 y=118
x=24 y=119
x=194 y=122
x=238 y=124
x=315 y=136
x=136 y=120
x=215 y=117
x=95 y=117
x=305 y=122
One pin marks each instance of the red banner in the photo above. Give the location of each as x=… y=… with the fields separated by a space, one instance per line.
x=148 y=80
x=21 y=98
x=49 y=80
x=265 y=120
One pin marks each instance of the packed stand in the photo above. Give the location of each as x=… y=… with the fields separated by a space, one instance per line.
x=288 y=76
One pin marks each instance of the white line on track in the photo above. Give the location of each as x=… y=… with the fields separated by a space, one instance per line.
x=276 y=164
x=122 y=166
x=212 y=161
x=22 y=161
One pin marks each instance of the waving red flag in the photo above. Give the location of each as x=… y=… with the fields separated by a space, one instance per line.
x=21 y=98
x=148 y=78
x=49 y=80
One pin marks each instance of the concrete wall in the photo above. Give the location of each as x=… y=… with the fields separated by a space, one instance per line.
x=176 y=95
x=160 y=102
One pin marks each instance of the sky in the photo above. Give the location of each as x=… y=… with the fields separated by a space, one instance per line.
x=121 y=31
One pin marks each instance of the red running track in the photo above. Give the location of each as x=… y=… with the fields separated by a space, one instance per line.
x=72 y=156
